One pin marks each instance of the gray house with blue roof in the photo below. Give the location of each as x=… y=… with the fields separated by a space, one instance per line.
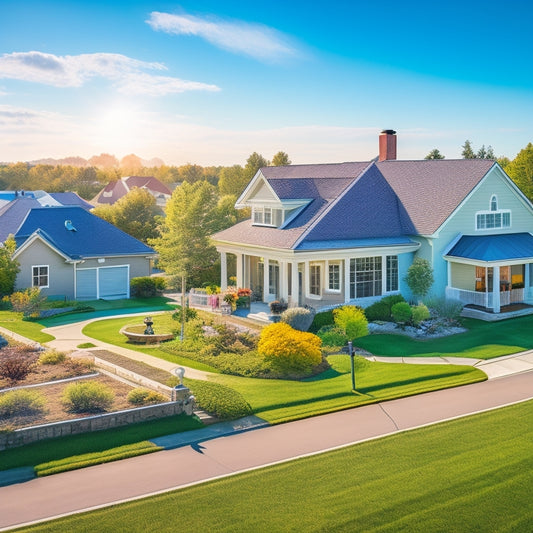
x=67 y=251
x=330 y=234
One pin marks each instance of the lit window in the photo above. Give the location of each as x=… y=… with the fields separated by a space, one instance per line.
x=39 y=276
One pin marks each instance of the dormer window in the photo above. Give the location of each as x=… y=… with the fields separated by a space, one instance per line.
x=265 y=216
x=494 y=218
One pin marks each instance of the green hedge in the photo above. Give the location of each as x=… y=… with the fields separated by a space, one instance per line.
x=218 y=400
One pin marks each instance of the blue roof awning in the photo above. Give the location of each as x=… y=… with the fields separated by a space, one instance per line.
x=492 y=248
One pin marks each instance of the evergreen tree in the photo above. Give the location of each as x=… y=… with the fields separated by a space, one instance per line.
x=468 y=151
x=434 y=154
x=281 y=159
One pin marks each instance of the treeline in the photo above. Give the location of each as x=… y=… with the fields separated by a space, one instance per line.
x=87 y=181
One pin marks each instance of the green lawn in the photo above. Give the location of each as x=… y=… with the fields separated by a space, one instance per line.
x=281 y=400
x=31 y=330
x=468 y=475
x=94 y=443
x=109 y=331
x=483 y=340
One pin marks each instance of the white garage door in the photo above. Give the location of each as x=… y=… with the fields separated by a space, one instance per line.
x=107 y=283
x=113 y=283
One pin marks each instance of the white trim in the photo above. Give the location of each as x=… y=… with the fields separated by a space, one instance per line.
x=38 y=275
x=327 y=288
x=36 y=235
x=240 y=203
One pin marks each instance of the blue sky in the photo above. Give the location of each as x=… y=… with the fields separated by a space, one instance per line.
x=211 y=82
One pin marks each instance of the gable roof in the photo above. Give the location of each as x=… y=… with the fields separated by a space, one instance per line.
x=115 y=190
x=92 y=236
x=431 y=190
x=350 y=202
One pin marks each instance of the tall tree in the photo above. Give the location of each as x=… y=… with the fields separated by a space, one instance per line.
x=468 y=151
x=281 y=159
x=520 y=169
x=232 y=181
x=184 y=246
x=253 y=164
x=191 y=173
x=434 y=154
x=136 y=214
x=8 y=267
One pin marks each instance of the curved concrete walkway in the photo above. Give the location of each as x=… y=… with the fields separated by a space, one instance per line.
x=69 y=336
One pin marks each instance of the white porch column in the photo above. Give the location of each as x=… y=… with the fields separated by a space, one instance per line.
x=284 y=280
x=383 y=275
x=223 y=271
x=306 y=279
x=266 y=280
x=295 y=286
x=527 y=280
x=346 y=281
x=240 y=280
x=496 y=289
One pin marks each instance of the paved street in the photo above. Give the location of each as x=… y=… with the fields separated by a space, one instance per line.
x=132 y=478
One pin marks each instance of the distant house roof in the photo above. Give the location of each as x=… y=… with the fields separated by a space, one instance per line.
x=488 y=248
x=71 y=198
x=115 y=190
x=78 y=234
x=12 y=215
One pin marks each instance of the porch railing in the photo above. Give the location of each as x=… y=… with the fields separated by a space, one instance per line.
x=485 y=299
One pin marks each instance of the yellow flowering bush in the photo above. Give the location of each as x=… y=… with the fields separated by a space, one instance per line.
x=289 y=349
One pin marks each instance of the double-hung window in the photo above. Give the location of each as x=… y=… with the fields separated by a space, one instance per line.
x=39 y=276
x=494 y=218
x=334 y=277
x=262 y=216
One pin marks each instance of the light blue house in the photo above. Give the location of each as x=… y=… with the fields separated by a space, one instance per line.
x=336 y=233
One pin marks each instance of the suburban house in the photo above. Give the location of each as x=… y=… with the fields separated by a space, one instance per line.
x=329 y=234
x=115 y=190
x=66 y=251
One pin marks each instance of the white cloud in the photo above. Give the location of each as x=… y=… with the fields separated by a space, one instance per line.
x=126 y=73
x=255 y=40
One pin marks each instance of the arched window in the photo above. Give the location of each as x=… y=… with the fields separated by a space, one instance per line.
x=494 y=218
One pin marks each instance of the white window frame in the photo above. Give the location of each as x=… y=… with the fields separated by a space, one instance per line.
x=263 y=216
x=486 y=219
x=39 y=275
x=338 y=265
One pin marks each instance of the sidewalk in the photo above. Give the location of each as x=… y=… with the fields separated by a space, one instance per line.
x=212 y=457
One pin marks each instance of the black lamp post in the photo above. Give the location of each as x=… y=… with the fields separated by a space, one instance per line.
x=352 y=354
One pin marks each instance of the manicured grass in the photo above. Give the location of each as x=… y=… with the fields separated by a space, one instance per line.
x=103 y=308
x=32 y=330
x=471 y=474
x=280 y=400
x=483 y=340
x=109 y=331
x=96 y=442
x=97 y=458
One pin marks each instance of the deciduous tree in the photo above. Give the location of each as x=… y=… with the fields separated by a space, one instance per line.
x=521 y=170
x=281 y=159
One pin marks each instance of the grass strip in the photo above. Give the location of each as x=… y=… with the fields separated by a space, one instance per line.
x=90 y=459
x=470 y=474
x=95 y=442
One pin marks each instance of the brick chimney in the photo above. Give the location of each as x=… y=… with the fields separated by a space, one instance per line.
x=387 y=145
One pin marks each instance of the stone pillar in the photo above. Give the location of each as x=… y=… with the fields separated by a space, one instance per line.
x=223 y=271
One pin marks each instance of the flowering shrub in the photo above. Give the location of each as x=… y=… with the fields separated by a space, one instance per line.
x=351 y=320
x=288 y=349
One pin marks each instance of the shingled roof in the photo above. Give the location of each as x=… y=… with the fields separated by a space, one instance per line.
x=363 y=200
x=79 y=234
